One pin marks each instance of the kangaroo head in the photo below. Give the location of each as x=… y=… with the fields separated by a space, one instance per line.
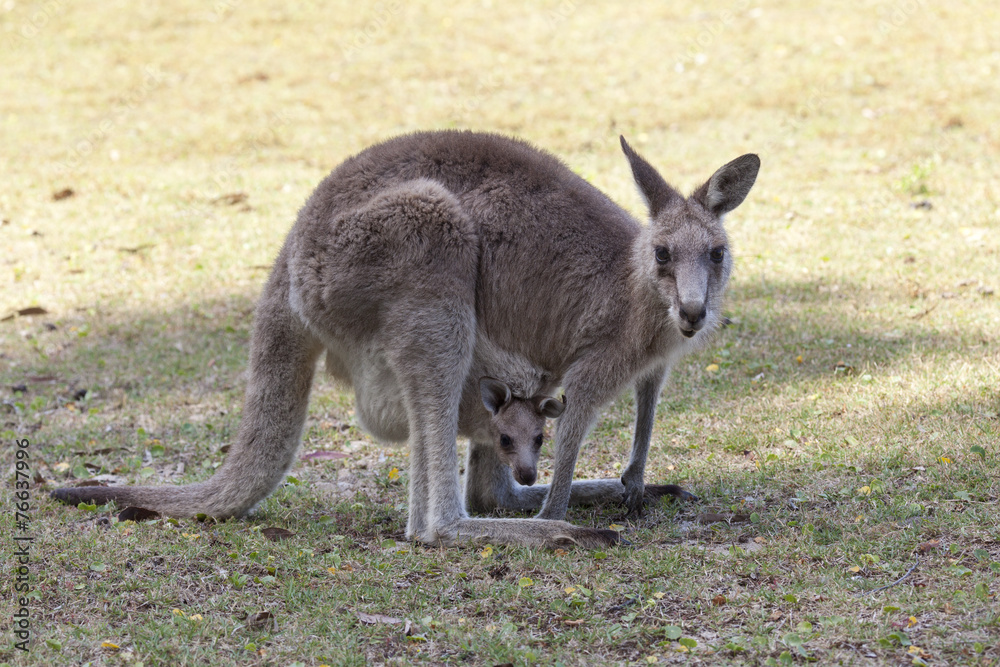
x=517 y=426
x=684 y=252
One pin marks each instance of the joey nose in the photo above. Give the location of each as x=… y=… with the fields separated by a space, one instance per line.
x=525 y=476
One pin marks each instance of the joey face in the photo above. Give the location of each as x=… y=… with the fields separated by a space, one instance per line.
x=517 y=426
x=684 y=252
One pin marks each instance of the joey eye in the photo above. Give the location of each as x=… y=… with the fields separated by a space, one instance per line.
x=505 y=442
x=717 y=255
x=538 y=440
x=662 y=255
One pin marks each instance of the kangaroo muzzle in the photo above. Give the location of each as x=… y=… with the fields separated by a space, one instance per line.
x=524 y=476
x=692 y=317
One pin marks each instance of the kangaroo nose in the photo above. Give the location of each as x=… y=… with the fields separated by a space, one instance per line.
x=525 y=476
x=693 y=314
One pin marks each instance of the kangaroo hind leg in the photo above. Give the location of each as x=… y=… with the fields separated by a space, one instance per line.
x=418 y=266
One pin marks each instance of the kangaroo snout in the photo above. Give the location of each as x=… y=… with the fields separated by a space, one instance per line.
x=692 y=317
x=525 y=476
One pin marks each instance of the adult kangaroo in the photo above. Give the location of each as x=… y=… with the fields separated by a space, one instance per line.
x=434 y=259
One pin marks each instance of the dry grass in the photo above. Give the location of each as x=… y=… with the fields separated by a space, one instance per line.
x=840 y=428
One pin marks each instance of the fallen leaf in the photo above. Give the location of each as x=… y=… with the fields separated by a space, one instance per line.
x=277 y=534
x=231 y=199
x=262 y=620
x=110 y=646
x=24 y=312
x=575 y=623
x=375 y=619
x=928 y=546
x=499 y=571
x=137 y=514
x=137 y=249
x=105 y=450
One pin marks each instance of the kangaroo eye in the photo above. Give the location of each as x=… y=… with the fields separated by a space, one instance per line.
x=718 y=255
x=505 y=442
x=662 y=255
x=538 y=440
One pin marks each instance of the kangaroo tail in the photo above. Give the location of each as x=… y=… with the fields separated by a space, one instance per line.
x=283 y=358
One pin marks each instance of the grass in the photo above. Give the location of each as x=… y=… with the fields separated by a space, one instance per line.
x=844 y=429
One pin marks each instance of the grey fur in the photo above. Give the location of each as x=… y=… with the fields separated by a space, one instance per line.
x=434 y=259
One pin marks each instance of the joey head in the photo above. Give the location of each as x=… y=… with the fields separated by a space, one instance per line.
x=517 y=426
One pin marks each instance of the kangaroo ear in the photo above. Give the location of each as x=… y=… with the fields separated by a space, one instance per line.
x=729 y=186
x=657 y=193
x=495 y=393
x=549 y=407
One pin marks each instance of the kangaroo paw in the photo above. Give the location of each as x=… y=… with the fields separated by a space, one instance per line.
x=636 y=496
x=523 y=532
x=633 y=498
x=657 y=491
x=588 y=538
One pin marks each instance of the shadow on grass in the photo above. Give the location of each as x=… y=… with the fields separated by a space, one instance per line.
x=811 y=332
x=162 y=370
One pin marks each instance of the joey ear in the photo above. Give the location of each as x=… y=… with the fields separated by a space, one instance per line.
x=729 y=186
x=657 y=193
x=549 y=407
x=495 y=394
